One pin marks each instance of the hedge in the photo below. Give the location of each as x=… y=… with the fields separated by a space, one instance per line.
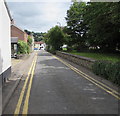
x=108 y=70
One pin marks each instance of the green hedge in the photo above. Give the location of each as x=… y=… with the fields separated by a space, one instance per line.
x=108 y=70
x=23 y=48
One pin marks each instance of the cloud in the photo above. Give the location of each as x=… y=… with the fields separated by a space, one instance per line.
x=38 y=16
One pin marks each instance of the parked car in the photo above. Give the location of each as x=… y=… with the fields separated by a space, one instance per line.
x=35 y=48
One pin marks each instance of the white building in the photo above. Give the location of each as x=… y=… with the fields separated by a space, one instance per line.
x=39 y=45
x=5 y=42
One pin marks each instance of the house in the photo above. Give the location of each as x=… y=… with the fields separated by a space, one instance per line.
x=5 y=42
x=17 y=32
x=39 y=45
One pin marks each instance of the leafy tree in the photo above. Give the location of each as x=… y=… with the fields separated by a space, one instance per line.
x=37 y=36
x=94 y=24
x=28 y=32
x=55 y=38
x=29 y=40
x=103 y=22
x=67 y=38
x=76 y=26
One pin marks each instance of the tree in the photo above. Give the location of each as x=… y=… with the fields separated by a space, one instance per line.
x=37 y=36
x=103 y=22
x=29 y=40
x=94 y=24
x=28 y=32
x=55 y=38
x=76 y=26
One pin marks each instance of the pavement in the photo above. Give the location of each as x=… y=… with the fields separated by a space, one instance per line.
x=18 y=70
x=57 y=89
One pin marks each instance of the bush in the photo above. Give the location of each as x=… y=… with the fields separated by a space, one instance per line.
x=108 y=70
x=29 y=41
x=23 y=47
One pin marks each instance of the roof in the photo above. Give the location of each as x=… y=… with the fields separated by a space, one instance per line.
x=40 y=42
x=8 y=10
x=17 y=27
x=14 y=39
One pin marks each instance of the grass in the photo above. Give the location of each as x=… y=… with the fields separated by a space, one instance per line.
x=99 y=56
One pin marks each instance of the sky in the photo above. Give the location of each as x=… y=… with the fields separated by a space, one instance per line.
x=39 y=15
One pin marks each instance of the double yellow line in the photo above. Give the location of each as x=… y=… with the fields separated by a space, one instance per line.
x=94 y=81
x=28 y=79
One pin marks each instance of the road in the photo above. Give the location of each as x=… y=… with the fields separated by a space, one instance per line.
x=56 y=89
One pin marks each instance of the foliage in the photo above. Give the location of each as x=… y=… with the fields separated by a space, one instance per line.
x=94 y=24
x=108 y=70
x=37 y=36
x=23 y=48
x=29 y=40
x=103 y=22
x=28 y=32
x=54 y=38
x=76 y=26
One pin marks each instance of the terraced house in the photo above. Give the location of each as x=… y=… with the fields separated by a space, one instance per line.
x=17 y=32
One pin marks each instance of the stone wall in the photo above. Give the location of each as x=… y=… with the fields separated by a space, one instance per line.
x=80 y=60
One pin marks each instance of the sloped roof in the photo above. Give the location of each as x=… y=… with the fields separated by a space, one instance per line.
x=8 y=10
x=17 y=27
x=40 y=42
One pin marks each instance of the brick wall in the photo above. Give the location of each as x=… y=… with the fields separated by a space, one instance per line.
x=16 y=32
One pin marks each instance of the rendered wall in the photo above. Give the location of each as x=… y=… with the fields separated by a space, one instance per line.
x=5 y=39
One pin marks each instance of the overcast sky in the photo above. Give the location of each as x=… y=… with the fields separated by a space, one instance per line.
x=39 y=16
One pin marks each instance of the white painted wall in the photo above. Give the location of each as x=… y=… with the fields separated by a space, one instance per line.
x=5 y=39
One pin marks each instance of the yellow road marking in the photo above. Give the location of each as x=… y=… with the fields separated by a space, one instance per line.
x=25 y=107
x=17 y=110
x=91 y=79
x=97 y=81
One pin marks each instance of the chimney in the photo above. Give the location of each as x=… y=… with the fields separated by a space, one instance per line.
x=13 y=22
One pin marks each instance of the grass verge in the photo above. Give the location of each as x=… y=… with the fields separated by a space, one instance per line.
x=99 y=56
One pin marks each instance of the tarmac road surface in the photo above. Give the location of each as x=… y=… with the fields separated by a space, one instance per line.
x=56 y=89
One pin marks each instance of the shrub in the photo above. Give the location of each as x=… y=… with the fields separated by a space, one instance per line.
x=115 y=75
x=29 y=41
x=23 y=48
x=108 y=70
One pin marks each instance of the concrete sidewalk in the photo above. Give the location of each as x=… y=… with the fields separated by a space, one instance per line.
x=20 y=69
